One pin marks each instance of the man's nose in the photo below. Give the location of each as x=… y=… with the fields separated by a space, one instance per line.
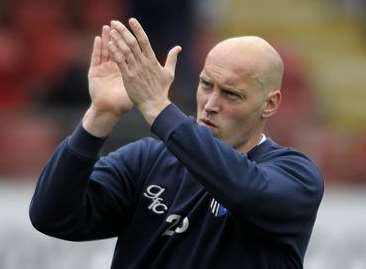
x=213 y=103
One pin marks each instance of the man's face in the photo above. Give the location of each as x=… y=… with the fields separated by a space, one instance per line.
x=230 y=101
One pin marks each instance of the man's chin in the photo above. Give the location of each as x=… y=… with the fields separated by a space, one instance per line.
x=214 y=131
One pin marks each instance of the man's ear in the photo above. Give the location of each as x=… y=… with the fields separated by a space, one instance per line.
x=272 y=104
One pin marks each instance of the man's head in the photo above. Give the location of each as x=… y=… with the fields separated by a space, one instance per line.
x=239 y=89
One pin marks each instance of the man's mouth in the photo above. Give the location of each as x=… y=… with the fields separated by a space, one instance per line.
x=208 y=123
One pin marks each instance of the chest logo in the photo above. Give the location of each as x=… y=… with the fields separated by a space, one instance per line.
x=153 y=192
x=217 y=209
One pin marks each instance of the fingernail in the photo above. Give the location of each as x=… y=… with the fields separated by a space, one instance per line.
x=133 y=21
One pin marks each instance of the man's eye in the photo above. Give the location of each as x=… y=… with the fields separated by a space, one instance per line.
x=231 y=94
x=205 y=83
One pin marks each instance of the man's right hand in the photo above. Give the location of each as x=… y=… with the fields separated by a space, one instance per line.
x=109 y=100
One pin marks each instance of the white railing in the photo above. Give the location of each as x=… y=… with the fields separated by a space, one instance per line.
x=338 y=242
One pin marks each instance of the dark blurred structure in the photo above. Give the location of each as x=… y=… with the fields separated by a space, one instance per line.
x=44 y=56
x=301 y=123
x=171 y=23
x=167 y=24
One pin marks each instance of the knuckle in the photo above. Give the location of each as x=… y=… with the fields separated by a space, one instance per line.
x=144 y=36
x=145 y=42
x=121 y=28
x=113 y=55
x=136 y=46
x=125 y=50
x=131 y=42
x=131 y=75
x=129 y=54
x=118 y=57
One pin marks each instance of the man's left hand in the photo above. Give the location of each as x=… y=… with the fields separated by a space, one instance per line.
x=147 y=82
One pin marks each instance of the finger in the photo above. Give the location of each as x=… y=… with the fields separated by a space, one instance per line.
x=128 y=38
x=95 y=57
x=142 y=38
x=123 y=48
x=117 y=57
x=171 y=60
x=105 y=39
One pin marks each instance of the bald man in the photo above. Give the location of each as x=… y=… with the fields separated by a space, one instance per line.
x=212 y=192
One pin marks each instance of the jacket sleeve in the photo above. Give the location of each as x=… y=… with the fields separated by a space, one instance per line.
x=81 y=198
x=276 y=196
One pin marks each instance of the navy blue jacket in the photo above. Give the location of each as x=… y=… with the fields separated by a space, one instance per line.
x=187 y=201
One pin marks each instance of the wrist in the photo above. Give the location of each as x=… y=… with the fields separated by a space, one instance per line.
x=150 y=111
x=99 y=124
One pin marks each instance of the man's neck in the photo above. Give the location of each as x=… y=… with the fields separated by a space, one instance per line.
x=252 y=142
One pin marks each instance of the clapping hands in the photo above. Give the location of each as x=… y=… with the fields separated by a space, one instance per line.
x=124 y=71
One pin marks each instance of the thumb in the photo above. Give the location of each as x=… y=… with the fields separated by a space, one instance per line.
x=171 y=59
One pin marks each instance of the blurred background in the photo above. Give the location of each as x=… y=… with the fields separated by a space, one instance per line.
x=44 y=55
